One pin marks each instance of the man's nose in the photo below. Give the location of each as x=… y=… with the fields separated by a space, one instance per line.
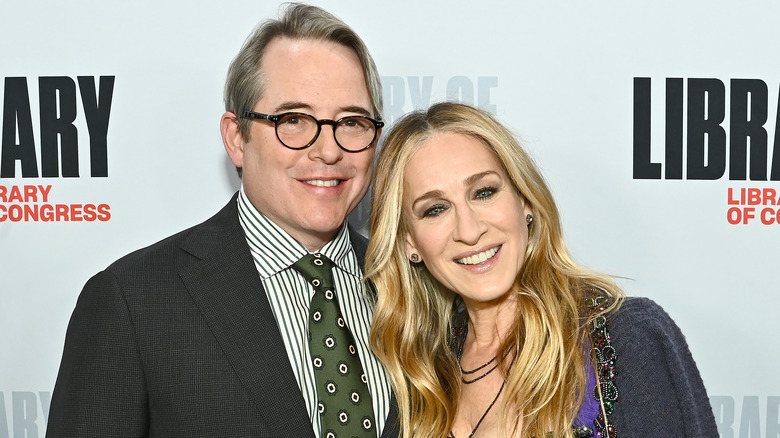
x=325 y=148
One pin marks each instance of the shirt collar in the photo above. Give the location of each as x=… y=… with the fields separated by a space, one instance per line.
x=274 y=250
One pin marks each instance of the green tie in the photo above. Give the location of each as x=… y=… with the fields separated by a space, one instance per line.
x=344 y=401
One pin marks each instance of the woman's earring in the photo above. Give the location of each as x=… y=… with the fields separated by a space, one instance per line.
x=529 y=219
x=414 y=258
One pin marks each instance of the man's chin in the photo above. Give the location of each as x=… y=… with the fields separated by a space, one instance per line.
x=319 y=230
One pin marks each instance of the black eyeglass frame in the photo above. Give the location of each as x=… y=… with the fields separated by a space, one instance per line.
x=275 y=118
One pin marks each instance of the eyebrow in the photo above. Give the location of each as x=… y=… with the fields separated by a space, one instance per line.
x=433 y=194
x=478 y=176
x=295 y=105
x=466 y=182
x=292 y=105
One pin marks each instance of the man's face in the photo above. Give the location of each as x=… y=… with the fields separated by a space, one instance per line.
x=308 y=192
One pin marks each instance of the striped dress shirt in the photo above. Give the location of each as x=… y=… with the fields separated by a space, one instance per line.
x=274 y=252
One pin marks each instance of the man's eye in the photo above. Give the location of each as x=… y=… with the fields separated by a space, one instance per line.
x=356 y=124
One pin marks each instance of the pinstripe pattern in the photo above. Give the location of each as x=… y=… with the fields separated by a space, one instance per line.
x=274 y=252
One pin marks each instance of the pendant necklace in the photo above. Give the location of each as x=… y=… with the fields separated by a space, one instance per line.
x=468 y=382
x=459 y=349
x=483 y=415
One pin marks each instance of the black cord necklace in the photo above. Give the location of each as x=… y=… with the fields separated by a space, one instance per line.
x=481 y=367
x=483 y=415
x=460 y=340
x=462 y=378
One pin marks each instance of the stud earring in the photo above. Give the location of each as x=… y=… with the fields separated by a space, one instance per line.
x=529 y=219
x=414 y=258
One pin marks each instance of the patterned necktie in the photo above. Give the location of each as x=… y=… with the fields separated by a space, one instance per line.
x=344 y=401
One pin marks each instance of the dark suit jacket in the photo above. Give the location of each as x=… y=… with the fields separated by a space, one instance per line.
x=178 y=339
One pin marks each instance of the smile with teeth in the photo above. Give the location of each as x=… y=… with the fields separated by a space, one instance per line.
x=323 y=182
x=477 y=259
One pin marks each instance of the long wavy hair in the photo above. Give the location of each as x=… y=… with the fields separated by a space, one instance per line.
x=411 y=330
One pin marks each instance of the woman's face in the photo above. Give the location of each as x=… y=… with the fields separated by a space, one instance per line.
x=464 y=217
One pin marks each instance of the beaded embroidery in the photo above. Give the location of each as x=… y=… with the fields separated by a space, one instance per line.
x=605 y=391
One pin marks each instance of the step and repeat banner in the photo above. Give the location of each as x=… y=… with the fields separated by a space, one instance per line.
x=655 y=124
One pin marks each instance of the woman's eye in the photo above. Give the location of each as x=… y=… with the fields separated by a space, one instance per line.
x=485 y=192
x=433 y=211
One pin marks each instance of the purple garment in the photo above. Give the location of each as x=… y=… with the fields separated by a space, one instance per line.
x=590 y=406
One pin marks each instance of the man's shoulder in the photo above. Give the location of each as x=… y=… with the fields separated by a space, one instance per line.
x=194 y=241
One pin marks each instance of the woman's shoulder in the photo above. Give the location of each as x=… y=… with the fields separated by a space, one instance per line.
x=638 y=309
x=656 y=374
x=642 y=317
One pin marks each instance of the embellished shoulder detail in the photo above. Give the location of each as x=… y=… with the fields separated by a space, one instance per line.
x=606 y=391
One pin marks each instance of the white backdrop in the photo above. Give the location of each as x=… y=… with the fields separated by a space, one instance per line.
x=560 y=74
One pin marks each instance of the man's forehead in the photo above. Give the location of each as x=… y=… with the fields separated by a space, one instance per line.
x=306 y=74
x=283 y=48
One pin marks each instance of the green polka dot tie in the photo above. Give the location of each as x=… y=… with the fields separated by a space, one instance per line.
x=344 y=401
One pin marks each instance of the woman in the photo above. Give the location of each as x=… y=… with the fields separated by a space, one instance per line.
x=485 y=323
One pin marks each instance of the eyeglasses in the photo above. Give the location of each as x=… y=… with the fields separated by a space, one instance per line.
x=300 y=130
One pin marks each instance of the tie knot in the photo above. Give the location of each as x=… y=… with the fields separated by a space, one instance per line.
x=316 y=268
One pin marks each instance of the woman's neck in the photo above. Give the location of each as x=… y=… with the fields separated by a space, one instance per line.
x=489 y=325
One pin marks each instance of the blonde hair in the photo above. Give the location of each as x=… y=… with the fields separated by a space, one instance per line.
x=411 y=329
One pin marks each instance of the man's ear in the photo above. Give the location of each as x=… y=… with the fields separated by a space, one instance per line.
x=232 y=138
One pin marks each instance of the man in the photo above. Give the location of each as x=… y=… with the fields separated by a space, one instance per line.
x=206 y=333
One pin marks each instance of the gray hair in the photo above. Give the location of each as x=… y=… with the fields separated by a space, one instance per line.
x=244 y=84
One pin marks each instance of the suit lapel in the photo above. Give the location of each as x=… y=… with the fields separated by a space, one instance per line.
x=226 y=287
